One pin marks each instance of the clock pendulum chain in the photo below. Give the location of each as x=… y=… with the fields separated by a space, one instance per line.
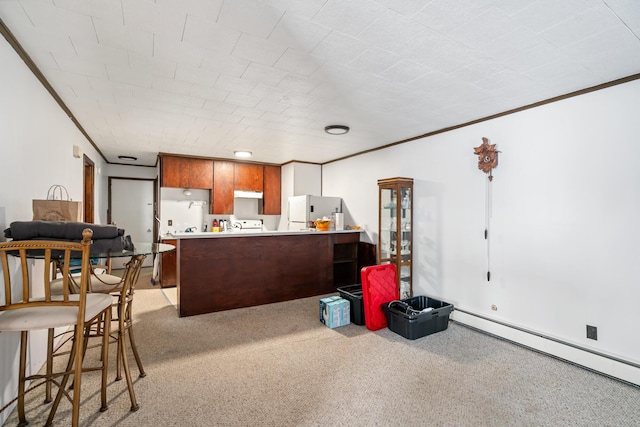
x=487 y=223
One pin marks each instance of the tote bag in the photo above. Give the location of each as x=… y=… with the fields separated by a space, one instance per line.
x=57 y=206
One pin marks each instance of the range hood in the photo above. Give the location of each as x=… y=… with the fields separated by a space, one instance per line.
x=247 y=194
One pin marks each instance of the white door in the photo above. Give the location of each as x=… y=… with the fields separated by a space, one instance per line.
x=132 y=210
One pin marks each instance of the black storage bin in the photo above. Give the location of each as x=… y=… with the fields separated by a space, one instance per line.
x=353 y=294
x=411 y=323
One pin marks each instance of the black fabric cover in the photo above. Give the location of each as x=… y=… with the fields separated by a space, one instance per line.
x=62 y=230
x=106 y=238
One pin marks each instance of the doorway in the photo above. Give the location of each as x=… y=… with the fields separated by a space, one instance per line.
x=132 y=203
x=88 y=189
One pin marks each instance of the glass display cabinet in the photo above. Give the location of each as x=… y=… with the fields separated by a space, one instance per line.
x=395 y=220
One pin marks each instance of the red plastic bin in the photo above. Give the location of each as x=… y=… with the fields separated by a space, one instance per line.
x=379 y=286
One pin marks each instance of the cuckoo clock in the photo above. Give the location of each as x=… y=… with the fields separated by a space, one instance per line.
x=487 y=157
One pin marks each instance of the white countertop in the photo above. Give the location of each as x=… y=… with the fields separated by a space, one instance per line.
x=246 y=233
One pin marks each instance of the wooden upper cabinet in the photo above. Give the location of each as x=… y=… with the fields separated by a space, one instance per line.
x=198 y=173
x=271 y=202
x=249 y=177
x=185 y=172
x=171 y=169
x=223 y=178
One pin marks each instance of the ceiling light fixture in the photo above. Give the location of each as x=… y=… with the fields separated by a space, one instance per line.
x=336 y=129
x=243 y=154
x=130 y=158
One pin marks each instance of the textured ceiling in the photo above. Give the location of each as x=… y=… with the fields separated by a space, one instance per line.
x=207 y=77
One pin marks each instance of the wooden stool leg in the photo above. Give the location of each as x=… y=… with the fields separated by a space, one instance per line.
x=135 y=352
x=106 y=329
x=50 y=333
x=63 y=383
x=78 y=357
x=22 y=420
x=132 y=340
x=119 y=362
x=122 y=347
x=119 y=353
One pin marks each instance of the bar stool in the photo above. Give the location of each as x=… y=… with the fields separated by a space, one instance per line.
x=124 y=302
x=28 y=312
x=122 y=290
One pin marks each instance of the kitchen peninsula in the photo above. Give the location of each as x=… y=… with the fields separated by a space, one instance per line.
x=222 y=271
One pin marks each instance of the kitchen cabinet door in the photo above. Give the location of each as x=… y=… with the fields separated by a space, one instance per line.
x=271 y=201
x=171 y=168
x=168 y=266
x=249 y=177
x=185 y=172
x=197 y=173
x=223 y=178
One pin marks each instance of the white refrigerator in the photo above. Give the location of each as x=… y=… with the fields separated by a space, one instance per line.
x=302 y=209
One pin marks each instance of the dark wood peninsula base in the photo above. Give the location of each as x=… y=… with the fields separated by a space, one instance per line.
x=216 y=274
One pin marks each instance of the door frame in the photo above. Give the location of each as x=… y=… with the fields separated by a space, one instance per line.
x=88 y=189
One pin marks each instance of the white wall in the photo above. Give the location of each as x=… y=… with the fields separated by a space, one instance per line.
x=127 y=171
x=564 y=226
x=183 y=210
x=36 y=142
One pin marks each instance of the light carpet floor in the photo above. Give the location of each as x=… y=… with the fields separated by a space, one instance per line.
x=277 y=365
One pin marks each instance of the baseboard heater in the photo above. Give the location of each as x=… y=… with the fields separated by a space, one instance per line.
x=550 y=338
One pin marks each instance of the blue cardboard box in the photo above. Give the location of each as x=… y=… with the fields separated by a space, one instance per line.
x=323 y=307
x=334 y=311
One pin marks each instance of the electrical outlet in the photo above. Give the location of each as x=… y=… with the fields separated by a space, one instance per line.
x=592 y=332
x=170 y=223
